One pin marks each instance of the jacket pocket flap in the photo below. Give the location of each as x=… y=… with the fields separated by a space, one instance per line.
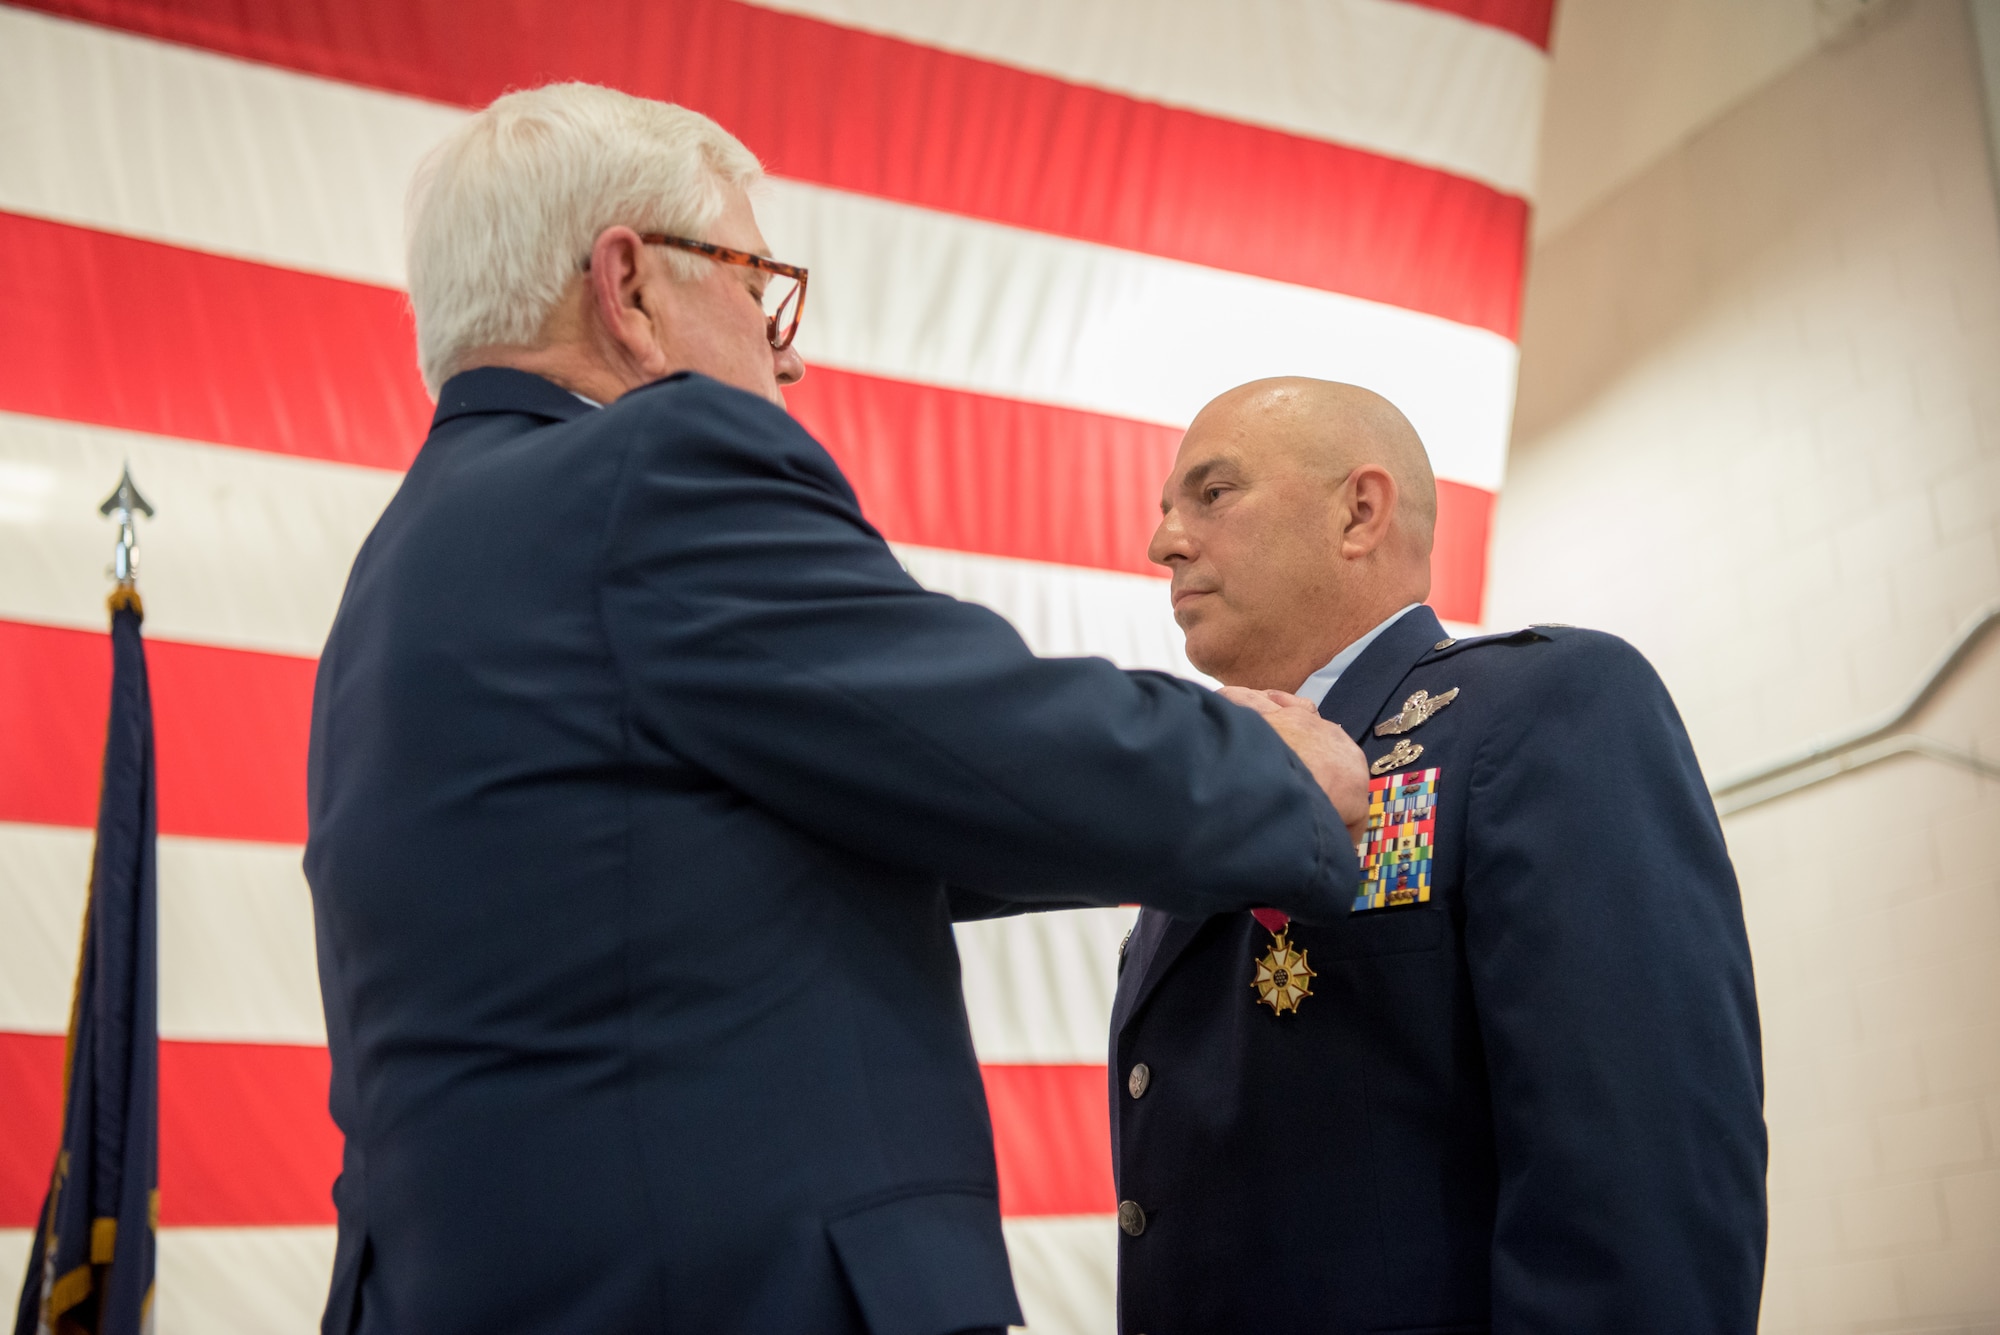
x=927 y=1264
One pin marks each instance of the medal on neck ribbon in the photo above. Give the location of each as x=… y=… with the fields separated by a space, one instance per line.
x=1282 y=978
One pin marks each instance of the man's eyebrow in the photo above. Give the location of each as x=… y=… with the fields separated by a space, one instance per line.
x=1190 y=481
x=1194 y=477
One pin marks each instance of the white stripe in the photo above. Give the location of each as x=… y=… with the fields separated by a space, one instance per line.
x=154 y=140
x=1063 y=611
x=44 y=880
x=1066 y=1272
x=14 y=1245
x=236 y=937
x=916 y=295
x=232 y=149
x=251 y=550
x=1391 y=78
x=242 y=1281
x=236 y=944
x=1038 y=987
x=236 y=952
x=1387 y=77
x=247 y=549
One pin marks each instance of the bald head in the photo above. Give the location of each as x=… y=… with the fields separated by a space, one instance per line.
x=1329 y=428
x=1299 y=514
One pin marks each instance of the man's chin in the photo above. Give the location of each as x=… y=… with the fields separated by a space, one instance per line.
x=1191 y=611
x=1205 y=654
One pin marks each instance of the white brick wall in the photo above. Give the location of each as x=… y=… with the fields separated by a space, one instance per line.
x=1759 y=436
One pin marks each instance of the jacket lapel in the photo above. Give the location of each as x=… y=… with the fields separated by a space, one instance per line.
x=1157 y=938
x=1354 y=703
x=1357 y=699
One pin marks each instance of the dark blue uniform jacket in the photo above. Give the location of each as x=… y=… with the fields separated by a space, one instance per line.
x=1529 y=1103
x=639 y=770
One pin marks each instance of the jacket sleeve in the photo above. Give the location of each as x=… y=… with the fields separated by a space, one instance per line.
x=1612 y=978
x=971 y=906
x=769 y=637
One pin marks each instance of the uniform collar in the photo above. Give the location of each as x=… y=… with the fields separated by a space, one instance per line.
x=1359 y=695
x=502 y=389
x=1319 y=683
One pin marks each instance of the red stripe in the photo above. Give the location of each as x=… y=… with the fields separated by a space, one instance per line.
x=154 y=338
x=969 y=473
x=1458 y=556
x=245 y=1138
x=244 y=1133
x=229 y=726
x=55 y=693
x=935 y=467
x=893 y=119
x=1529 y=19
x=973 y=473
x=30 y=1123
x=1052 y=1138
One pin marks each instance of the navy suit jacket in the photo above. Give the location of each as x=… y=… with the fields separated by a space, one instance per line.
x=1532 y=1102
x=639 y=770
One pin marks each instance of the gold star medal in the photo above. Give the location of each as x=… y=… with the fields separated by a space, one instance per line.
x=1282 y=980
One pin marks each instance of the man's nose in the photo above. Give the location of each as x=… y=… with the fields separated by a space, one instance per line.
x=1170 y=542
x=790 y=367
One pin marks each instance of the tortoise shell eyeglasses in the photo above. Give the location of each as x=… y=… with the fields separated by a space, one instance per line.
x=784 y=301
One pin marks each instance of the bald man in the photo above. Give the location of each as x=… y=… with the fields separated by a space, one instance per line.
x=1518 y=1088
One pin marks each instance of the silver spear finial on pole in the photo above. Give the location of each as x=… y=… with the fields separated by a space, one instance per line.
x=123 y=505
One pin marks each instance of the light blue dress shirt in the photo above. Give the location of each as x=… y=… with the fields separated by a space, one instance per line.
x=1320 y=682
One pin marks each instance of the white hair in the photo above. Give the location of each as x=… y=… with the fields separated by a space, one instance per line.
x=502 y=213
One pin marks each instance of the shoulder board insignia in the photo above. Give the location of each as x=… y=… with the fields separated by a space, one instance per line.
x=1416 y=710
x=1526 y=635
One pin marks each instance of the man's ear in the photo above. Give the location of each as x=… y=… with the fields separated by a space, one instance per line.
x=1371 y=508
x=619 y=269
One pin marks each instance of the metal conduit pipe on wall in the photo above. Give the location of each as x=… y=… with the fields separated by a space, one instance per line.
x=1869 y=743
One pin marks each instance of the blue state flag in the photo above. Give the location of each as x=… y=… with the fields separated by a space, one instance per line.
x=91 y=1269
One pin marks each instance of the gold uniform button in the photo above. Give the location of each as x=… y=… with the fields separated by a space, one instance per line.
x=1141 y=1077
x=1443 y=644
x=1131 y=1218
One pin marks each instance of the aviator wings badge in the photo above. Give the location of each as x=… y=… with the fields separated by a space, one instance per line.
x=1282 y=980
x=1416 y=710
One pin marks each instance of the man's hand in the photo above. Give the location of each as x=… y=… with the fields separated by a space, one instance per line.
x=1330 y=755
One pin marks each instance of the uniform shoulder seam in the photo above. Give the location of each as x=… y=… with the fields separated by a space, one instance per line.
x=1451 y=645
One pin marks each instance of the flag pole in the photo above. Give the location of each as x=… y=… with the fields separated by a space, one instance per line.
x=123 y=506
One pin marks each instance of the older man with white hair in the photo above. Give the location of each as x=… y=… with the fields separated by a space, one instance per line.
x=645 y=783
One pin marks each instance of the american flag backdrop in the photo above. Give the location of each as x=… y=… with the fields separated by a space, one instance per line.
x=1041 y=232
